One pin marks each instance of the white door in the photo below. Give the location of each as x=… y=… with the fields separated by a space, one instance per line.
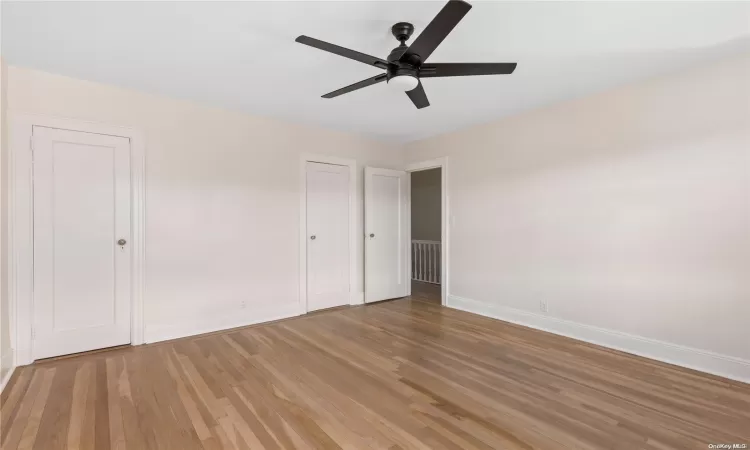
x=81 y=272
x=386 y=234
x=328 y=236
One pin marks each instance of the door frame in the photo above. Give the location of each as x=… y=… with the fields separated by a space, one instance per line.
x=352 y=165
x=20 y=225
x=442 y=164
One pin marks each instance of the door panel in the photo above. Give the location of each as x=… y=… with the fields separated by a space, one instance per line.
x=328 y=222
x=81 y=208
x=386 y=234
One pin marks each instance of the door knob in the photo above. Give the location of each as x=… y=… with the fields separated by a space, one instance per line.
x=122 y=242
x=312 y=238
x=372 y=235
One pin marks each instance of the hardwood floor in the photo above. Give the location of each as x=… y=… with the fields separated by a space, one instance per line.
x=426 y=292
x=404 y=374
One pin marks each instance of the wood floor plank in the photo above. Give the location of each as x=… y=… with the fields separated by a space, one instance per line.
x=30 y=431
x=404 y=374
x=187 y=402
x=116 y=428
x=79 y=403
x=88 y=427
x=13 y=431
x=10 y=400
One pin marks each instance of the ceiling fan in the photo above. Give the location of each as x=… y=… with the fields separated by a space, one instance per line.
x=406 y=64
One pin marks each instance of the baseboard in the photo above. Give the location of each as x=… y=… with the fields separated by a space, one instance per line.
x=201 y=325
x=714 y=363
x=357 y=298
x=6 y=361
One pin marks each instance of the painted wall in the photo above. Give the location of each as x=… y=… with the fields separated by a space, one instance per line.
x=222 y=199
x=6 y=352
x=627 y=211
x=425 y=205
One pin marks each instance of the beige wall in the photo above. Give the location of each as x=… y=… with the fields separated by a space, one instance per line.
x=222 y=198
x=628 y=210
x=6 y=353
x=425 y=205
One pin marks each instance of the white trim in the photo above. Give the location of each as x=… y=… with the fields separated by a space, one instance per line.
x=219 y=322
x=705 y=361
x=355 y=297
x=441 y=163
x=7 y=361
x=426 y=165
x=20 y=226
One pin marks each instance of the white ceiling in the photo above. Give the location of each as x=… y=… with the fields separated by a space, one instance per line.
x=242 y=55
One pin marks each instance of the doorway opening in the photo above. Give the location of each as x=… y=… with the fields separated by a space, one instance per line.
x=392 y=260
x=426 y=235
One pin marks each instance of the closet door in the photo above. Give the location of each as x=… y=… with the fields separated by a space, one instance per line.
x=328 y=235
x=81 y=241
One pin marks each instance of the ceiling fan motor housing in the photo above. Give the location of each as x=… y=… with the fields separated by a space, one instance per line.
x=402 y=31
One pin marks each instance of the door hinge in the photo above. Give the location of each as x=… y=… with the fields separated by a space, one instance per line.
x=31 y=143
x=33 y=334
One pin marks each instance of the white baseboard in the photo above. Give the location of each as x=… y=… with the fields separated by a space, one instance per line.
x=6 y=361
x=357 y=298
x=210 y=324
x=714 y=363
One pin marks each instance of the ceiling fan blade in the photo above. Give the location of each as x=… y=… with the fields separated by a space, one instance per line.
x=463 y=69
x=341 y=51
x=436 y=31
x=418 y=97
x=358 y=85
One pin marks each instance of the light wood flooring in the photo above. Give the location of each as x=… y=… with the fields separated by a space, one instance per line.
x=404 y=374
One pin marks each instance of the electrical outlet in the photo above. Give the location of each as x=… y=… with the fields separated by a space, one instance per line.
x=243 y=304
x=543 y=305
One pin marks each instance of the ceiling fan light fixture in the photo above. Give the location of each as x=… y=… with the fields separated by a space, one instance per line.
x=403 y=83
